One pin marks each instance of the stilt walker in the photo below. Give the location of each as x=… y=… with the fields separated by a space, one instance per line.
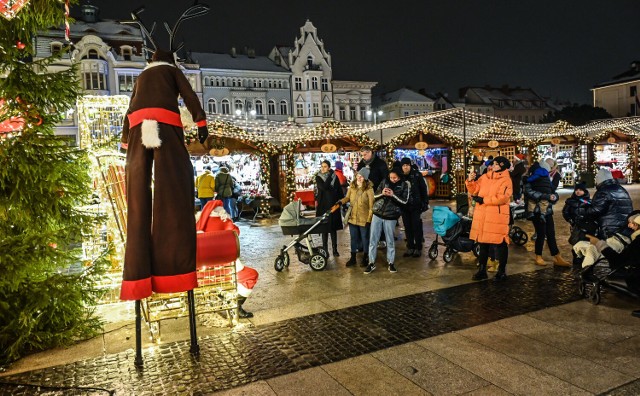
x=160 y=254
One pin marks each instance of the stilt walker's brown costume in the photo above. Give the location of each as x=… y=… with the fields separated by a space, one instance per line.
x=160 y=253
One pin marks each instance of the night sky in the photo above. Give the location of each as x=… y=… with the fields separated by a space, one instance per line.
x=560 y=48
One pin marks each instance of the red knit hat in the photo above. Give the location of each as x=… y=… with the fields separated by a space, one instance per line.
x=521 y=156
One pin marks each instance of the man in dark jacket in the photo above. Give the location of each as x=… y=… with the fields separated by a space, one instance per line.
x=610 y=205
x=516 y=175
x=418 y=203
x=378 y=168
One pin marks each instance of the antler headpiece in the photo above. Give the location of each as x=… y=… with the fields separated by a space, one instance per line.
x=194 y=11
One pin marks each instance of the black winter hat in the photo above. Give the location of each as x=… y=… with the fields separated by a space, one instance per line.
x=405 y=161
x=581 y=186
x=503 y=161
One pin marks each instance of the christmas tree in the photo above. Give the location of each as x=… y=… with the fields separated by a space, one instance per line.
x=46 y=288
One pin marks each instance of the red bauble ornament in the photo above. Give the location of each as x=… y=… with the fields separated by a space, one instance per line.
x=20 y=45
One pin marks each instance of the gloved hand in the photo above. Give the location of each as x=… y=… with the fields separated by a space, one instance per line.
x=479 y=200
x=203 y=133
x=339 y=203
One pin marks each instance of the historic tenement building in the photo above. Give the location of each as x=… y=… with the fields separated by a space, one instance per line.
x=290 y=84
x=518 y=104
x=620 y=96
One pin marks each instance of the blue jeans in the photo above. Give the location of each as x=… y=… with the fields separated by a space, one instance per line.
x=359 y=237
x=203 y=201
x=229 y=205
x=377 y=225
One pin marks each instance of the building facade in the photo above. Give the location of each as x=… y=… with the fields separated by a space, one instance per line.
x=517 y=104
x=404 y=102
x=619 y=96
x=245 y=85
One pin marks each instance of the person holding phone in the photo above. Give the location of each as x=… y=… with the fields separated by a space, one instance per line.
x=490 y=227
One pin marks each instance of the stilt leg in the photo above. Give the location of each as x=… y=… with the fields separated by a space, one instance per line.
x=138 y=360
x=195 y=348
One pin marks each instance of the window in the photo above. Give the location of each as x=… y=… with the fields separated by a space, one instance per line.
x=280 y=84
x=259 y=107
x=299 y=110
x=126 y=82
x=352 y=113
x=93 y=54
x=223 y=82
x=316 y=109
x=326 y=110
x=308 y=109
x=271 y=107
x=94 y=76
x=284 y=108
x=211 y=106
x=526 y=118
x=298 y=81
x=416 y=112
x=343 y=113
x=633 y=90
x=56 y=48
x=226 y=106
x=314 y=83
x=238 y=105
x=406 y=114
x=126 y=52
x=363 y=114
x=325 y=84
x=308 y=84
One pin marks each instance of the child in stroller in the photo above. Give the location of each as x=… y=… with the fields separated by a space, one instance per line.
x=617 y=267
x=454 y=230
x=293 y=223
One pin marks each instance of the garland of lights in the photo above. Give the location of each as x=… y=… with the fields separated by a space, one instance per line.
x=288 y=150
x=97 y=117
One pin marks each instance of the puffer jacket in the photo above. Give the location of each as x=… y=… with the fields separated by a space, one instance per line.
x=418 y=198
x=572 y=204
x=361 y=200
x=609 y=207
x=491 y=219
x=378 y=170
x=390 y=208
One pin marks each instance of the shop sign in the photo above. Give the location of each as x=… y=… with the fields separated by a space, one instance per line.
x=219 y=152
x=555 y=141
x=328 y=148
x=421 y=145
x=493 y=143
x=611 y=140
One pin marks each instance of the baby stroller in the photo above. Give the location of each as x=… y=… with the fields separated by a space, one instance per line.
x=293 y=223
x=517 y=234
x=594 y=279
x=454 y=230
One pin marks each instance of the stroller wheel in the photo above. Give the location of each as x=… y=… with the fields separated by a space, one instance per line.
x=286 y=259
x=582 y=288
x=278 y=264
x=448 y=255
x=433 y=252
x=594 y=294
x=317 y=262
x=323 y=252
x=476 y=249
x=518 y=236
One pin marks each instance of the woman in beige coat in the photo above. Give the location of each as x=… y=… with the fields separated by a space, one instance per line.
x=360 y=195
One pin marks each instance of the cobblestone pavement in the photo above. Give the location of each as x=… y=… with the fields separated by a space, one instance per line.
x=252 y=354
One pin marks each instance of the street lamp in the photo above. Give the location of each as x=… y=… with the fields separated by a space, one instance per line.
x=375 y=115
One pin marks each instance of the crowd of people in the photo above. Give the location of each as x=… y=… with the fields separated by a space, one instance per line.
x=221 y=186
x=379 y=197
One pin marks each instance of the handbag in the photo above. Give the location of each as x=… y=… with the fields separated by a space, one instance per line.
x=577 y=235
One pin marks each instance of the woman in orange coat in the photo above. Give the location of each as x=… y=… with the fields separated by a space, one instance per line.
x=492 y=194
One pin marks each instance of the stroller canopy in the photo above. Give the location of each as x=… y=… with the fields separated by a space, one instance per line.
x=443 y=219
x=291 y=216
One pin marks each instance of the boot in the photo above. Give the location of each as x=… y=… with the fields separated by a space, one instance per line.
x=334 y=242
x=560 y=262
x=481 y=274
x=500 y=276
x=241 y=312
x=365 y=260
x=408 y=253
x=352 y=260
x=492 y=265
x=540 y=260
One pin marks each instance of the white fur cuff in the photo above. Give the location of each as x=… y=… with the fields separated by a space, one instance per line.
x=150 y=134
